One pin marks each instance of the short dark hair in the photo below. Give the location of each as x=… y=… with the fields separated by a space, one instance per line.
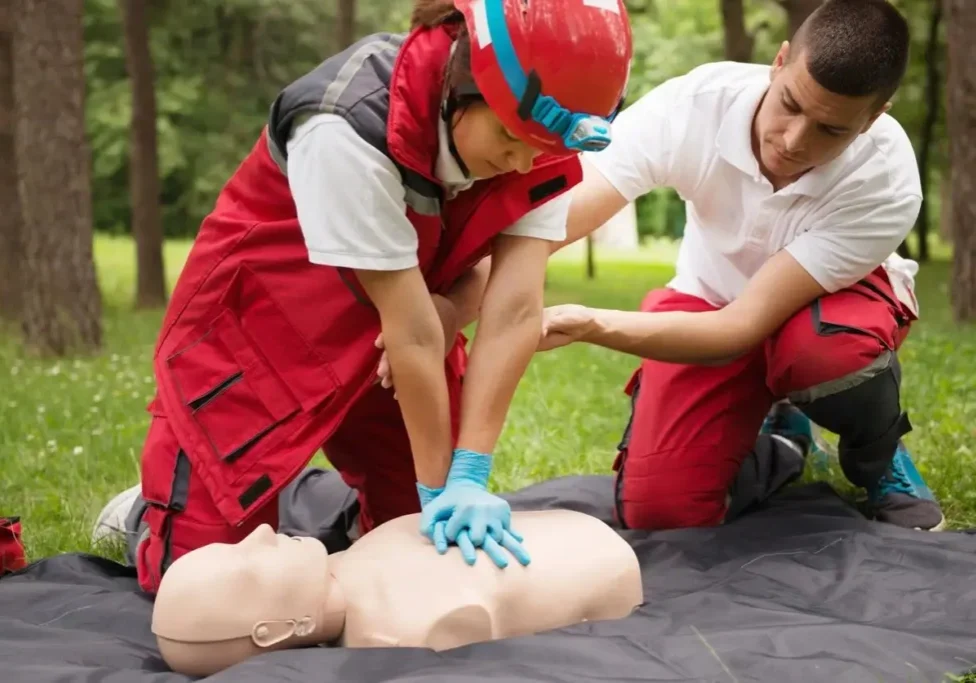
x=855 y=47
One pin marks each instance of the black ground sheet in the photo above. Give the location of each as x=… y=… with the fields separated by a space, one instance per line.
x=803 y=589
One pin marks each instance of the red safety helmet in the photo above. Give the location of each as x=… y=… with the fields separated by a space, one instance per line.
x=554 y=71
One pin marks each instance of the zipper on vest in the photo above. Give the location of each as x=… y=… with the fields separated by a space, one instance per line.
x=200 y=402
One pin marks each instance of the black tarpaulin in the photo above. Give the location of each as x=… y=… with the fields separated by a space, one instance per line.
x=803 y=589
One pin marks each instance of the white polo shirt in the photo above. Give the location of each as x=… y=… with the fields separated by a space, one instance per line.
x=839 y=221
x=351 y=203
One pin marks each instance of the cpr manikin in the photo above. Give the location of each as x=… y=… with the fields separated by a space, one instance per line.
x=223 y=603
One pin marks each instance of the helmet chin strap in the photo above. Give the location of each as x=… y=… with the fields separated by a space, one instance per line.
x=452 y=103
x=455 y=99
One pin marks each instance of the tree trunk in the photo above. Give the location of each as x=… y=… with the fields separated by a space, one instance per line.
x=61 y=305
x=147 y=220
x=961 y=123
x=945 y=198
x=797 y=12
x=738 y=42
x=11 y=220
x=932 y=101
x=346 y=23
x=590 y=258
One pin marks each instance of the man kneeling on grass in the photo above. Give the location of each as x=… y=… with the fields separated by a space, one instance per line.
x=788 y=302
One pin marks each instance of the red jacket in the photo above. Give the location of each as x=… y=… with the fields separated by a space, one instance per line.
x=261 y=352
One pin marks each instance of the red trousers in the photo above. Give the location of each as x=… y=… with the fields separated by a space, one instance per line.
x=370 y=449
x=693 y=425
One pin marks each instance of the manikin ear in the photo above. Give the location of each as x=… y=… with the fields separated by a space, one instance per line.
x=272 y=632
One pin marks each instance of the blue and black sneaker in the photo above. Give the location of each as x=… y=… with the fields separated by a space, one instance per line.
x=903 y=498
x=786 y=421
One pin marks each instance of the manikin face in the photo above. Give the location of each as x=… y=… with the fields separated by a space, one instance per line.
x=486 y=146
x=266 y=577
x=801 y=125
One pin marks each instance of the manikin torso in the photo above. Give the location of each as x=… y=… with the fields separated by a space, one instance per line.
x=223 y=603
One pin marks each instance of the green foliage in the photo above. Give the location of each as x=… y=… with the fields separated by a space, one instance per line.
x=220 y=63
x=908 y=105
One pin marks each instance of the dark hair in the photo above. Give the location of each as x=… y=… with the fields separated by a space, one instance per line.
x=855 y=47
x=431 y=13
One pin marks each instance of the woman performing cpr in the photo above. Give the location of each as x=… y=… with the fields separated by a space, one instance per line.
x=356 y=231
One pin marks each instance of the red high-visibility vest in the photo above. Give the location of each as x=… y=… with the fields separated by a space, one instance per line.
x=262 y=353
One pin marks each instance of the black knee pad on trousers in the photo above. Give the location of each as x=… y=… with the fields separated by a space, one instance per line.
x=868 y=418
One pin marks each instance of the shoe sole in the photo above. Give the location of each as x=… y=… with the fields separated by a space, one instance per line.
x=938 y=527
x=865 y=509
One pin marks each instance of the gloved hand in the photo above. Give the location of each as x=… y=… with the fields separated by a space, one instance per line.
x=464 y=513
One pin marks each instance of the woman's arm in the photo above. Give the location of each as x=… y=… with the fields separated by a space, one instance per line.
x=456 y=309
x=467 y=292
x=508 y=332
x=414 y=341
x=351 y=207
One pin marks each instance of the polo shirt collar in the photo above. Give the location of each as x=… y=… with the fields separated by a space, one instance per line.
x=734 y=139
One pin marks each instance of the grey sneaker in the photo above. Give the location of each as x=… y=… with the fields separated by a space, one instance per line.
x=111 y=520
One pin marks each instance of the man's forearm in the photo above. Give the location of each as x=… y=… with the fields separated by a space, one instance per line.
x=705 y=337
x=780 y=289
x=418 y=364
x=502 y=350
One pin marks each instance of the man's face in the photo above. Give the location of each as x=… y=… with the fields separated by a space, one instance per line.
x=801 y=125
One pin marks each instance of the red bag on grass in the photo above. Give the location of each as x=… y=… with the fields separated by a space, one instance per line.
x=12 y=555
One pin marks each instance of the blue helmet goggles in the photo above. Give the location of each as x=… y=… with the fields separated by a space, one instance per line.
x=579 y=132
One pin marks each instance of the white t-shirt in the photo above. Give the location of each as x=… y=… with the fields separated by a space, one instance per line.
x=351 y=204
x=840 y=221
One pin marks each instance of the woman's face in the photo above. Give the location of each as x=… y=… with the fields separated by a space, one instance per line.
x=486 y=146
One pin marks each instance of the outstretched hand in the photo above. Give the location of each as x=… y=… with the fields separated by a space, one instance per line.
x=563 y=325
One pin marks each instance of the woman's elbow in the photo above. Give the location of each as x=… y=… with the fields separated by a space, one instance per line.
x=520 y=310
x=419 y=334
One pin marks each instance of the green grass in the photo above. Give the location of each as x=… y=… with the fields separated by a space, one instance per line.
x=71 y=430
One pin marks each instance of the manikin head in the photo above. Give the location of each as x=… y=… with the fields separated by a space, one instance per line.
x=251 y=609
x=829 y=85
x=574 y=56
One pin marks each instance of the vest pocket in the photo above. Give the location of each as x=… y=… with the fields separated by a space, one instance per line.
x=233 y=395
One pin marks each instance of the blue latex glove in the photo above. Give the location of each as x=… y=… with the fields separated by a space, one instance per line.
x=464 y=513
